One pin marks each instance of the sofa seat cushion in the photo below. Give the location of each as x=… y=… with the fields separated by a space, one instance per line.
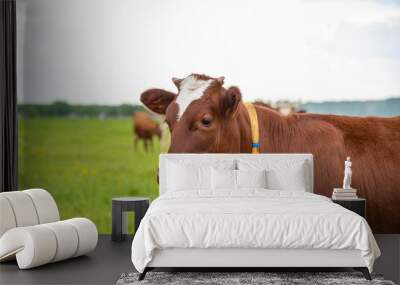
x=40 y=244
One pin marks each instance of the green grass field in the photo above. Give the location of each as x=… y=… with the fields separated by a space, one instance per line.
x=84 y=163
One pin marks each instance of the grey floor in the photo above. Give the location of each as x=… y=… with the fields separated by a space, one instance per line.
x=103 y=266
x=110 y=260
x=389 y=263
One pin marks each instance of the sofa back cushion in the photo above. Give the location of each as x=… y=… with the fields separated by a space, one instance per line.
x=26 y=208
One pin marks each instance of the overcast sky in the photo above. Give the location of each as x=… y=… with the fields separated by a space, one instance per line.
x=109 y=51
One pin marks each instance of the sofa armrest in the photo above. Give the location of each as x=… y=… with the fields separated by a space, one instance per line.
x=32 y=246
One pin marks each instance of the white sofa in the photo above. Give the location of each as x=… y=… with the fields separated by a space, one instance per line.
x=31 y=230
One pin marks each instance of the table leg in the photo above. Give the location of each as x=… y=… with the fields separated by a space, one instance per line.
x=140 y=211
x=118 y=222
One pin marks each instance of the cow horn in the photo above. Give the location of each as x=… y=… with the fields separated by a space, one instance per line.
x=177 y=81
x=221 y=80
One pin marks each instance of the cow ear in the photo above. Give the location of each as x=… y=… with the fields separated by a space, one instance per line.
x=229 y=101
x=157 y=100
x=177 y=82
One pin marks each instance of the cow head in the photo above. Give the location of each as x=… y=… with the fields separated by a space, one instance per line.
x=199 y=115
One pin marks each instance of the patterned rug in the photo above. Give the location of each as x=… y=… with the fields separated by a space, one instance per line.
x=270 y=278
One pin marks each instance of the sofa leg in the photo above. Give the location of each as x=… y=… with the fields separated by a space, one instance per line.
x=143 y=274
x=364 y=271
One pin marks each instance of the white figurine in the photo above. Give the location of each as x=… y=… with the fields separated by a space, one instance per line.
x=347 y=174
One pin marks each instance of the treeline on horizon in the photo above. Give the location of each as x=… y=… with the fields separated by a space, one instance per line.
x=388 y=107
x=63 y=109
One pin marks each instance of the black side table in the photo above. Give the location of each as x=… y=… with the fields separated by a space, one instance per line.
x=358 y=205
x=119 y=208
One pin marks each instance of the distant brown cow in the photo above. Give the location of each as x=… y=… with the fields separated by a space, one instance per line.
x=284 y=110
x=206 y=117
x=144 y=128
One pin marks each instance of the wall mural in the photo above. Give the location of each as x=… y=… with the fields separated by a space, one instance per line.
x=85 y=136
x=204 y=116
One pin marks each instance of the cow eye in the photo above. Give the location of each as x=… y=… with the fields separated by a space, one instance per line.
x=206 y=121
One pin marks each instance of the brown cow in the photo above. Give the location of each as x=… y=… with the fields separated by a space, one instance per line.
x=206 y=117
x=144 y=128
x=285 y=109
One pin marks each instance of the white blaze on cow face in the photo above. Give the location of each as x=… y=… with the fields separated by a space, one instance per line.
x=191 y=89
